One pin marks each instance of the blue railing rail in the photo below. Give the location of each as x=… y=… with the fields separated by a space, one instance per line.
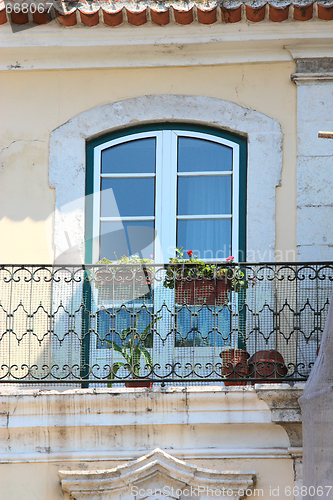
x=134 y=325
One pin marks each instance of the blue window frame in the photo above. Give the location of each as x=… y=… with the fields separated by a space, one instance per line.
x=155 y=187
x=158 y=187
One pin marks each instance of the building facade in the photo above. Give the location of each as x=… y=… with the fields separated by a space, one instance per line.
x=172 y=100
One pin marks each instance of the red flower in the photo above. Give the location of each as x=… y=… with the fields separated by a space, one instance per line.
x=190 y=253
x=230 y=258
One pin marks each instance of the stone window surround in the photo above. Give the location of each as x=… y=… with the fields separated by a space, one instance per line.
x=68 y=157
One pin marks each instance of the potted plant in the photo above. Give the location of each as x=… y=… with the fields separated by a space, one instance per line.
x=128 y=278
x=197 y=282
x=131 y=350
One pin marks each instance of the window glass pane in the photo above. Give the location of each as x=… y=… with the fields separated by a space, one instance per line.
x=127 y=238
x=130 y=157
x=131 y=197
x=209 y=239
x=199 y=155
x=204 y=195
x=111 y=323
x=196 y=327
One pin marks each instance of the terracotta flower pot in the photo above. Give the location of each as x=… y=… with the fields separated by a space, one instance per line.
x=267 y=364
x=202 y=291
x=138 y=383
x=125 y=277
x=123 y=285
x=234 y=365
x=103 y=278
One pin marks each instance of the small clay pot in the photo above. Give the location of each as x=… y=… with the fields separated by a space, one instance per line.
x=234 y=365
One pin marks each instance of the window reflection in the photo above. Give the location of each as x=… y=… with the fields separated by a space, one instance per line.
x=136 y=156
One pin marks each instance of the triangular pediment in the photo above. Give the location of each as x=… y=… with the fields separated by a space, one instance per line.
x=156 y=476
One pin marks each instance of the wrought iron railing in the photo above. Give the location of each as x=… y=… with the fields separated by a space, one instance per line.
x=141 y=326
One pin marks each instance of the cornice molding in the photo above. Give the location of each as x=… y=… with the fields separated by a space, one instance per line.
x=306 y=79
x=51 y=426
x=217 y=453
x=47 y=48
x=310 y=70
x=31 y=408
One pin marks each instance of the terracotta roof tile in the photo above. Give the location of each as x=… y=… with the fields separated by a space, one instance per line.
x=19 y=17
x=303 y=12
x=160 y=17
x=89 y=18
x=161 y=12
x=112 y=17
x=231 y=15
x=66 y=18
x=183 y=16
x=325 y=11
x=41 y=17
x=3 y=15
x=255 y=14
x=137 y=17
x=207 y=16
x=278 y=14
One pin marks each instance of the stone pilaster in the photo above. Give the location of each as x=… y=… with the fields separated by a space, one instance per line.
x=314 y=80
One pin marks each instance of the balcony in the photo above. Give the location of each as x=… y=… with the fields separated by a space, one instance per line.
x=137 y=326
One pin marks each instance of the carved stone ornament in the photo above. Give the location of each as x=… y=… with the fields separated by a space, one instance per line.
x=157 y=476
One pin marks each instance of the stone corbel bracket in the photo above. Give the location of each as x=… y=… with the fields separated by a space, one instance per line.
x=157 y=471
x=285 y=409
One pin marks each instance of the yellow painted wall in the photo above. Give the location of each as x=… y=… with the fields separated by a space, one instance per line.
x=40 y=481
x=34 y=103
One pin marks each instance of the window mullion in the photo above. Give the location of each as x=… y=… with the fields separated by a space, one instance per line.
x=96 y=205
x=235 y=202
x=166 y=186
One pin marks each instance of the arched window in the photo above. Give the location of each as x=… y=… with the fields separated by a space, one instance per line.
x=158 y=187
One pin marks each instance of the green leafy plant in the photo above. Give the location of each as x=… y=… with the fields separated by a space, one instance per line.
x=133 y=348
x=182 y=268
x=127 y=260
x=103 y=275
x=194 y=340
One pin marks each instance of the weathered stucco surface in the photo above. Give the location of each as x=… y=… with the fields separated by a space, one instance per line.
x=219 y=428
x=57 y=96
